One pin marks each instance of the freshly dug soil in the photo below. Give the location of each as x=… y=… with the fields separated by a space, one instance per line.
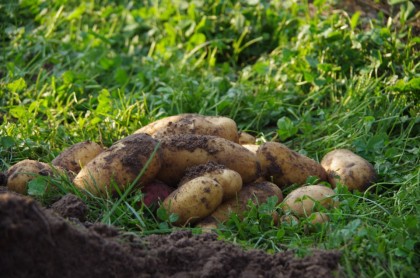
x=36 y=242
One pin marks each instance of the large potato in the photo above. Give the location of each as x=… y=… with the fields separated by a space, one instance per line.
x=23 y=172
x=230 y=180
x=192 y=124
x=287 y=167
x=194 y=200
x=348 y=168
x=77 y=156
x=180 y=152
x=121 y=163
x=303 y=200
x=257 y=192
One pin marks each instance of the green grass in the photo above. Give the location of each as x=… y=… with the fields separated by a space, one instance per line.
x=314 y=78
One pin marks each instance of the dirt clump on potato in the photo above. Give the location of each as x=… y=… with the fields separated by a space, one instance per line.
x=36 y=243
x=199 y=170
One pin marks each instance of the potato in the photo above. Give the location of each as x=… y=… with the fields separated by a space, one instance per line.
x=287 y=167
x=207 y=225
x=303 y=200
x=289 y=219
x=180 y=152
x=348 y=168
x=194 y=200
x=318 y=218
x=75 y=157
x=230 y=180
x=121 y=163
x=246 y=138
x=257 y=192
x=154 y=192
x=192 y=124
x=23 y=172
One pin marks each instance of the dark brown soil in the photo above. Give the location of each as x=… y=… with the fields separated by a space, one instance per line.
x=199 y=170
x=35 y=242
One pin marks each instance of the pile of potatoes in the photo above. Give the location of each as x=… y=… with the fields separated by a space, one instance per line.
x=202 y=169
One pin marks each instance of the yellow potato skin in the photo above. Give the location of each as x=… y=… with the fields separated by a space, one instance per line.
x=180 y=152
x=287 y=167
x=194 y=200
x=348 y=168
x=301 y=201
x=121 y=163
x=23 y=172
x=77 y=156
x=192 y=124
x=230 y=180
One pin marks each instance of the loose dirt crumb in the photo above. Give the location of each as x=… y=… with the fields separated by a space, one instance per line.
x=71 y=206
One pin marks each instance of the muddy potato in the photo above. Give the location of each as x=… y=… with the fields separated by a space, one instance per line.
x=303 y=200
x=246 y=138
x=289 y=219
x=155 y=192
x=287 y=167
x=207 y=225
x=192 y=124
x=194 y=200
x=257 y=192
x=318 y=218
x=23 y=172
x=121 y=163
x=77 y=156
x=348 y=168
x=180 y=152
x=230 y=180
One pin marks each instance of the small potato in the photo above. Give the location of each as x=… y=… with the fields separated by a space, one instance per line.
x=318 y=218
x=303 y=200
x=207 y=225
x=246 y=138
x=287 y=167
x=180 y=152
x=194 y=200
x=192 y=124
x=348 y=168
x=257 y=192
x=154 y=192
x=77 y=156
x=289 y=219
x=23 y=172
x=230 y=180
x=121 y=163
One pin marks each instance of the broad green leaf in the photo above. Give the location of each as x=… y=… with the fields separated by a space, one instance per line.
x=37 y=186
